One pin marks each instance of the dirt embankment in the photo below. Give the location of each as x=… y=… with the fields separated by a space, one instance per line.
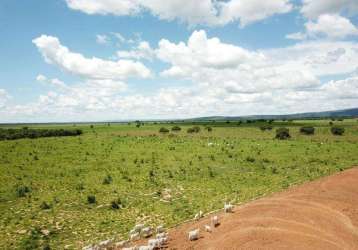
x=319 y=215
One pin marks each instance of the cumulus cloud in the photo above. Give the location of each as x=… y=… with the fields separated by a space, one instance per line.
x=4 y=97
x=331 y=26
x=314 y=8
x=207 y=12
x=102 y=39
x=210 y=61
x=95 y=68
x=142 y=51
x=222 y=79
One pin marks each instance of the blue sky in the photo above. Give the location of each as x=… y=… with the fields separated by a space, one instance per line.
x=89 y=60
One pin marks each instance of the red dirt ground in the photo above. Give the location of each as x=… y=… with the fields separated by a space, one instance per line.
x=322 y=214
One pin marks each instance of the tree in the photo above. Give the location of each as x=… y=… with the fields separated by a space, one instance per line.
x=163 y=130
x=282 y=133
x=337 y=130
x=307 y=130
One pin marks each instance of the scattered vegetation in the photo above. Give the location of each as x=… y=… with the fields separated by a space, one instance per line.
x=283 y=133
x=64 y=191
x=163 y=130
x=337 y=130
x=176 y=129
x=307 y=130
x=13 y=134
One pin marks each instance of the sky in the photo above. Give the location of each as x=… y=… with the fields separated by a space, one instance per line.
x=106 y=60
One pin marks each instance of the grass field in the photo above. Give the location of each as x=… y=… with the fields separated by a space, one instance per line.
x=158 y=179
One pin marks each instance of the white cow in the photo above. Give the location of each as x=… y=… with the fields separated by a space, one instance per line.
x=194 y=235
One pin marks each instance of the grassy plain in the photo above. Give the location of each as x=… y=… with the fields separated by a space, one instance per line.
x=159 y=179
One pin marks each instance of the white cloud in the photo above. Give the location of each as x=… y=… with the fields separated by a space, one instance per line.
x=314 y=8
x=55 y=53
x=214 y=63
x=41 y=78
x=4 y=98
x=333 y=26
x=102 y=39
x=142 y=51
x=207 y=12
x=104 y=7
x=249 y=11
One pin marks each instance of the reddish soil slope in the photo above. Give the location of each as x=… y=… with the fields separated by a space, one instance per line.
x=319 y=215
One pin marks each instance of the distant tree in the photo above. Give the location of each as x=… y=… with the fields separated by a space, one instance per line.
x=307 y=130
x=163 y=130
x=282 y=133
x=266 y=127
x=209 y=129
x=176 y=128
x=337 y=130
x=91 y=199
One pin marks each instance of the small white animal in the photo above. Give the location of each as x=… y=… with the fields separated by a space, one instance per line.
x=145 y=248
x=138 y=227
x=160 y=229
x=194 y=235
x=161 y=235
x=208 y=228
x=154 y=243
x=228 y=208
x=215 y=221
x=147 y=232
x=122 y=243
x=134 y=236
x=199 y=215
x=130 y=248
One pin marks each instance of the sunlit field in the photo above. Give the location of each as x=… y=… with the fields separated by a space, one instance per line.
x=47 y=185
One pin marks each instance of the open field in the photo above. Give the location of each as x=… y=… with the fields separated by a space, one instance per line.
x=157 y=178
x=322 y=214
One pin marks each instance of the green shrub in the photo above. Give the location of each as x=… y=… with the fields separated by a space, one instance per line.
x=91 y=199
x=282 y=133
x=337 y=130
x=307 y=130
x=195 y=129
x=44 y=205
x=116 y=204
x=266 y=127
x=176 y=128
x=163 y=130
x=107 y=180
x=21 y=191
x=209 y=129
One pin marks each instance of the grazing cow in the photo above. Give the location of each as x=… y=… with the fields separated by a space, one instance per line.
x=146 y=232
x=228 y=208
x=215 y=221
x=194 y=235
x=208 y=228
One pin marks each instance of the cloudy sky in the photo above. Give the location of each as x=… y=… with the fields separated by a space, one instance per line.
x=93 y=60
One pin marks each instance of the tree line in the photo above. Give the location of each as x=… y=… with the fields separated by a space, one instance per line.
x=25 y=132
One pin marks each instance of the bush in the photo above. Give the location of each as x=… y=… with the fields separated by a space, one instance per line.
x=44 y=205
x=337 y=130
x=176 y=128
x=13 y=134
x=163 y=130
x=21 y=191
x=91 y=199
x=195 y=129
x=116 y=204
x=307 y=130
x=107 y=180
x=266 y=127
x=209 y=129
x=282 y=134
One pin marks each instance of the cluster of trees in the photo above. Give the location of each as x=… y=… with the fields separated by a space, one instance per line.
x=25 y=132
x=195 y=129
